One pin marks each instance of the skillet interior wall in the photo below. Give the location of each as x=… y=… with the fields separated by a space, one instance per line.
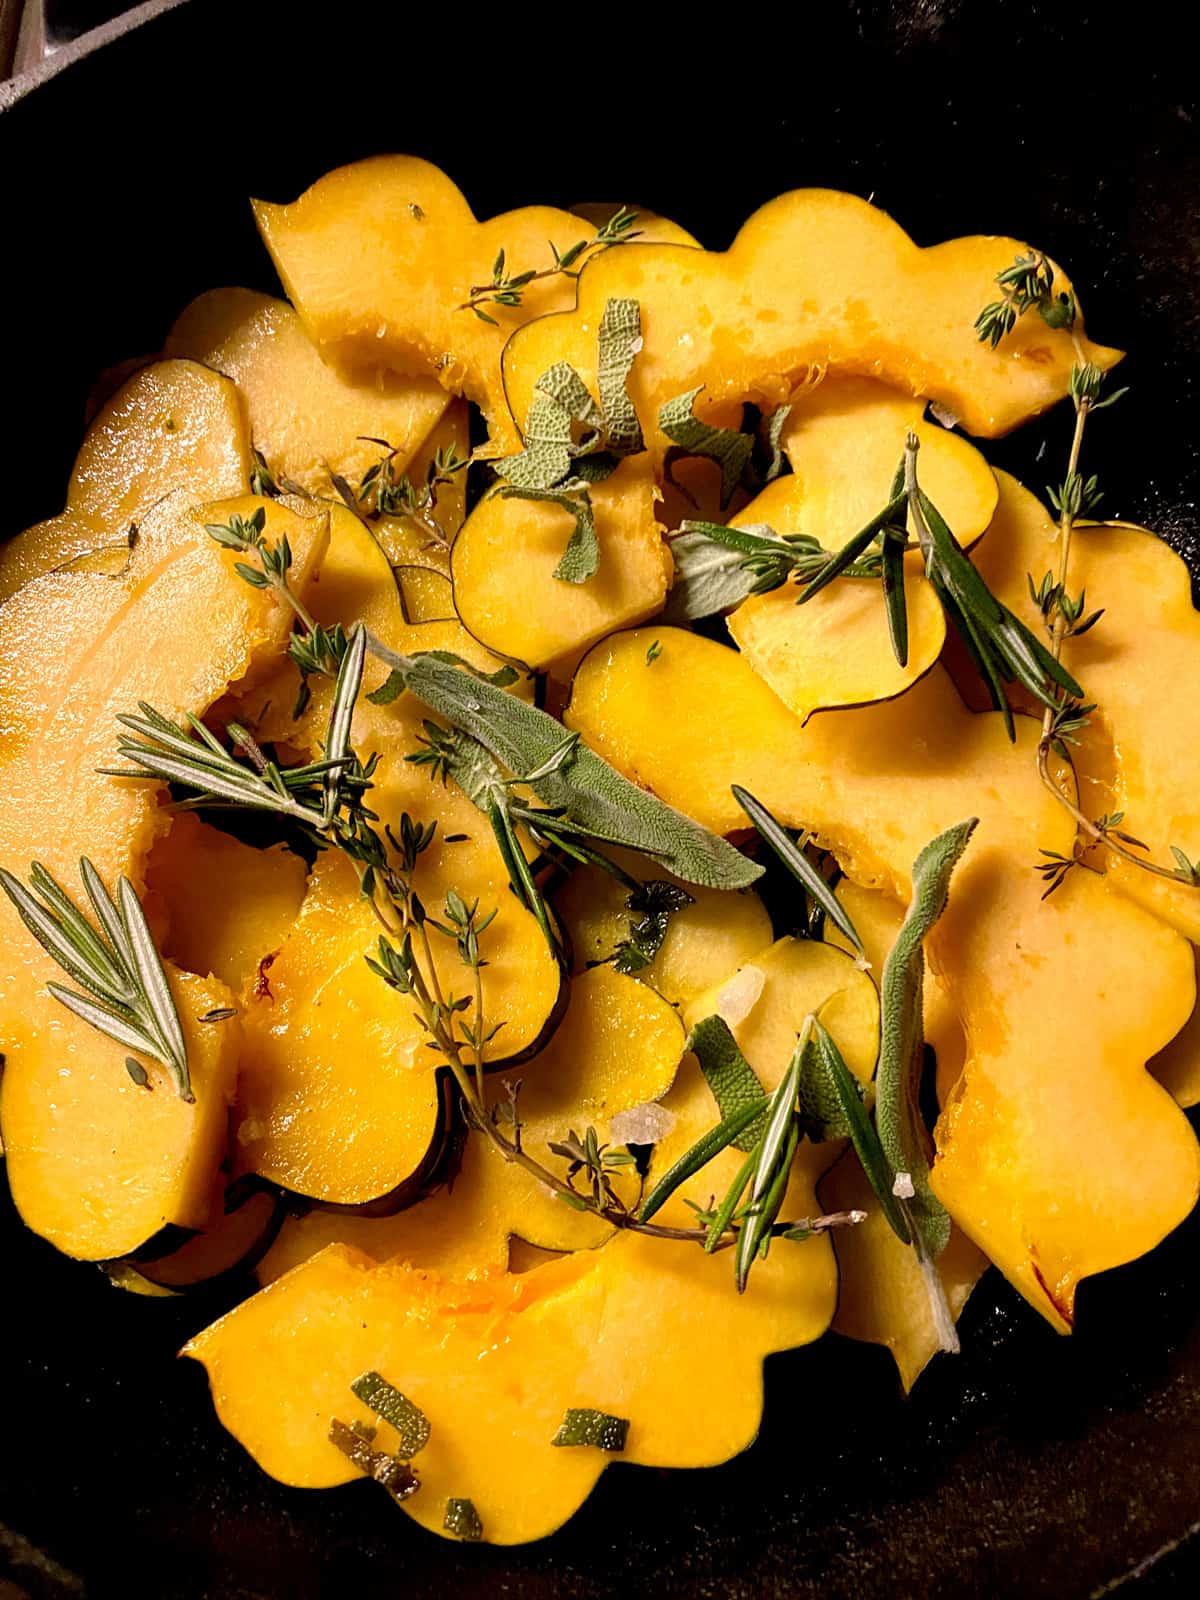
x=124 y=188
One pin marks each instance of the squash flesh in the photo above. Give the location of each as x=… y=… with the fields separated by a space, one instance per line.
x=395 y=300
x=305 y=417
x=704 y=942
x=1027 y=1162
x=505 y=590
x=173 y=426
x=1147 y=640
x=814 y=279
x=225 y=934
x=81 y=641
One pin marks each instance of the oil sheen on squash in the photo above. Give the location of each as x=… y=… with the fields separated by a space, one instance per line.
x=308 y=419
x=1033 y=1168
x=172 y=426
x=817 y=279
x=95 y=1164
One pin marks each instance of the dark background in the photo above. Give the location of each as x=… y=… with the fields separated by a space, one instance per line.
x=1032 y=1465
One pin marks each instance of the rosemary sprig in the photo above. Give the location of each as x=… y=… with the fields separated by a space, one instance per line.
x=128 y=996
x=508 y=288
x=798 y=864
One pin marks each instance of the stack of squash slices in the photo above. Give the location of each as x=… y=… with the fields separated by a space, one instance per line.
x=323 y=1148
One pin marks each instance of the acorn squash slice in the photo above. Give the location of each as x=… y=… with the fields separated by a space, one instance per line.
x=1148 y=640
x=504 y=561
x=616 y=1049
x=814 y=279
x=174 y=425
x=1031 y=1163
x=96 y=1164
x=845 y=438
x=305 y=417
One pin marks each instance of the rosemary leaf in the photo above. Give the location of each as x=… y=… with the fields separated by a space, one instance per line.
x=598 y=1430
x=902 y=1037
x=727 y=1132
x=853 y=548
x=798 y=864
x=733 y=1081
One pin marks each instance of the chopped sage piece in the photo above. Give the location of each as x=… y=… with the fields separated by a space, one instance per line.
x=598 y=1429
x=396 y=1476
x=462 y=1520
x=409 y=1421
x=730 y=1076
x=690 y=436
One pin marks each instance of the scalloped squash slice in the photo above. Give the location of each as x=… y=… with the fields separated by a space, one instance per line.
x=1032 y=1166
x=504 y=560
x=704 y=942
x=304 y=416
x=845 y=439
x=1138 y=664
x=397 y=301
x=96 y=1164
x=174 y=425
x=815 y=278
x=339 y=1098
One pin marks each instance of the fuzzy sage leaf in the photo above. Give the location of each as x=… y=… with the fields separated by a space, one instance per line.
x=902 y=1035
x=733 y=1081
x=691 y=436
x=598 y=1430
x=598 y=801
x=410 y=1422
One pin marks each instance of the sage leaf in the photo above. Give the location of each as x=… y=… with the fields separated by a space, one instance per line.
x=546 y=458
x=409 y=1421
x=733 y=1081
x=596 y=798
x=902 y=1036
x=716 y=568
x=690 y=436
x=619 y=341
x=564 y=385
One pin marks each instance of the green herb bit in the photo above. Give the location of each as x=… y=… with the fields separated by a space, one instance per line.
x=396 y=1476
x=691 y=436
x=798 y=864
x=463 y=1521
x=772 y=1166
x=653 y=651
x=902 y=1036
x=409 y=1421
x=653 y=905
x=262 y=482
x=598 y=1430
x=128 y=996
x=734 y=1083
x=1026 y=285
x=508 y=289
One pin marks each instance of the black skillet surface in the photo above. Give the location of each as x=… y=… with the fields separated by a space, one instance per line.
x=1032 y=1465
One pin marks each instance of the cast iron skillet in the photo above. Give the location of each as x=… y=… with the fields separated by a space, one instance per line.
x=1033 y=1465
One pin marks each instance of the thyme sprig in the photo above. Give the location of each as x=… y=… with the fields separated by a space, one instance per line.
x=1029 y=285
x=508 y=288
x=115 y=961
x=384 y=492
